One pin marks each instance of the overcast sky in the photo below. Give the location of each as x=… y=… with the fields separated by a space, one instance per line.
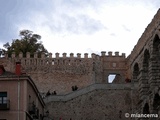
x=78 y=26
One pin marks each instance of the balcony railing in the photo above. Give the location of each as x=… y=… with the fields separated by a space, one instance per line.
x=4 y=104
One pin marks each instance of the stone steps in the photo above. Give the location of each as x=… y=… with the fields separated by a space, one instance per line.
x=88 y=89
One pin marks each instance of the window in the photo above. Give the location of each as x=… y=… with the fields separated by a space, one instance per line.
x=4 y=102
x=3 y=97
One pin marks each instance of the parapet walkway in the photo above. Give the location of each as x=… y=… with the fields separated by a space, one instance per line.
x=88 y=89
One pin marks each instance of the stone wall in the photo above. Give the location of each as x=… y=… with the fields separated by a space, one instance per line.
x=107 y=101
x=106 y=104
x=144 y=41
x=61 y=73
x=144 y=67
x=113 y=64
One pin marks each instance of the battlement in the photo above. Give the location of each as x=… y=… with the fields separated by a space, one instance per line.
x=76 y=69
x=64 y=55
x=116 y=54
x=72 y=64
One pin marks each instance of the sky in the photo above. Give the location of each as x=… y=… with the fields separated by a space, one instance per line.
x=78 y=26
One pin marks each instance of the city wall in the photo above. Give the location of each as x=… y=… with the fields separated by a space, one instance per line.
x=60 y=73
x=98 y=102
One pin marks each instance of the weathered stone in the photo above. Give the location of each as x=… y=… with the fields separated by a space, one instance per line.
x=140 y=70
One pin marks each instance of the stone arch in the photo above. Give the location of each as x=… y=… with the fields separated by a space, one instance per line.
x=155 y=60
x=135 y=71
x=145 y=66
x=118 y=77
x=156 y=46
x=146 y=109
x=111 y=77
x=146 y=59
x=144 y=75
x=156 y=103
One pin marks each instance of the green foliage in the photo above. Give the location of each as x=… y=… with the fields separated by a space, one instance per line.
x=29 y=42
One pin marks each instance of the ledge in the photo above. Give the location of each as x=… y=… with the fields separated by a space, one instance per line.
x=88 y=89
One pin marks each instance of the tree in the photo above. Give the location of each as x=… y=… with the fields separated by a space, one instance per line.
x=2 y=52
x=28 y=42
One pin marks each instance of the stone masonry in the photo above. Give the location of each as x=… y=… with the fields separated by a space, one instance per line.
x=135 y=89
x=61 y=73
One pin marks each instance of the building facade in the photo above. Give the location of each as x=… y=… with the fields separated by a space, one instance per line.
x=19 y=97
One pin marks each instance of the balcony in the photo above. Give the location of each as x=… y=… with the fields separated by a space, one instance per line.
x=4 y=105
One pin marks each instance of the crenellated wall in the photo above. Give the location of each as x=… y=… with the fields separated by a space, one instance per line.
x=114 y=64
x=60 y=73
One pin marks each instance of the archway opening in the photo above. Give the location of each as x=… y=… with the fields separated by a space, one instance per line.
x=156 y=102
x=156 y=44
x=146 y=59
x=111 y=77
x=156 y=48
x=114 y=78
x=146 y=109
x=156 y=59
x=135 y=71
x=146 y=65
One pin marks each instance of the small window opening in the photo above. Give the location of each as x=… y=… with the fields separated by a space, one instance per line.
x=146 y=109
x=52 y=62
x=111 y=77
x=3 y=97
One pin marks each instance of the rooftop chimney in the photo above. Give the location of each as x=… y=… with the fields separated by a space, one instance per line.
x=18 y=68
